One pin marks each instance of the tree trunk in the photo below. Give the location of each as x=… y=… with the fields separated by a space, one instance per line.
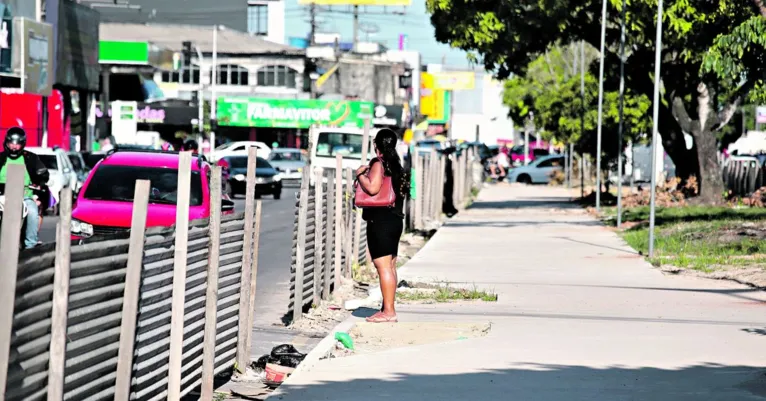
x=711 y=180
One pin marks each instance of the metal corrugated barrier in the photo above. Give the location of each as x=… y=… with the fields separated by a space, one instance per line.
x=312 y=225
x=97 y=280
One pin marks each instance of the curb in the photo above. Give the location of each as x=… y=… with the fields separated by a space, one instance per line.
x=320 y=351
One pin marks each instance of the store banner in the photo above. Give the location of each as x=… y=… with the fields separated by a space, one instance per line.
x=442 y=107
x=291 y=113
x=388 y=116
x=33 y=55
x=454 y=81
x=427 y=94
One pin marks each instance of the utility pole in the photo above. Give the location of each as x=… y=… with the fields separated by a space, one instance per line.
x=313 y=22
x=621 y=111
x=582 y=116
x=600 y=107
x=356 y=26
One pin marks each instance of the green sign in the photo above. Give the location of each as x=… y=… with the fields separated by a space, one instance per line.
x=289 y=113
x=114 y=52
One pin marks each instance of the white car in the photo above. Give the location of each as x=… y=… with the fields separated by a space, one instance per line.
x=537 y=172
x=240 y=149
x=62 y=174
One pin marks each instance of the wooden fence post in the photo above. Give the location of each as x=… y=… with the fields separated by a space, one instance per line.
x=434 y=184
x=338 y=220
x=418 y=206
x=253 y=276
x=300 y=254
x=131 y=294
x=60 y=310
x=350 y=223
x=357 y=217
x=211 y=290
x=330 y=237
x=243 y=357
x=9 y=248
x=179 y=277
x=318 y=237
x=442 y=177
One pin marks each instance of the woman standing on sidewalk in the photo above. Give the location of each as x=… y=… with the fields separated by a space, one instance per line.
x=384 y=224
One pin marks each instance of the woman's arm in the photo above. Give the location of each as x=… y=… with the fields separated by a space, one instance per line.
x=371 y=184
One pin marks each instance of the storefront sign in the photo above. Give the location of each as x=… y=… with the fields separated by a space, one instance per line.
x=441 y=107
x=160 y=114
x=76 y=45
x=452 y=81
x=284 y=113
x=124 y=120
x=33 y=55
x=391 y=116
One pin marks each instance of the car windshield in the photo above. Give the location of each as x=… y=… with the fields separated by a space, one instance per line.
x=76 y=163
x=347 y=145
x=117 y=183
x=92 y=159
x=287 y=156
x=240 y=162
x=49 y=161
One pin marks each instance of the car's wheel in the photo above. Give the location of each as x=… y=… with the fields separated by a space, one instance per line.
x=524 y=179
x=278 y=194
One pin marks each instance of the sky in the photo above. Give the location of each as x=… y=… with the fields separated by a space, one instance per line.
x=416 y=24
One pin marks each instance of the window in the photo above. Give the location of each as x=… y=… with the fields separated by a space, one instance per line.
x=258 y=19
x=330 y=144
x=240 y=162
x=286 y=156
x=186 y=75
x=117 y=183
x=233 y=75
x=50 y=161
x=552 y=162
x=76 y=162
x=277 y=75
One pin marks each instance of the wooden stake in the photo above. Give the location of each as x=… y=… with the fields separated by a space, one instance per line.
x=57 y=359
x=211 y=290
x=179 y=277
x=9 y=248
x=349 y=224
x=243 y=357
x=418 y=167
x=318 y=238
x=254 y=274
x=338 y=220
x=132 y=291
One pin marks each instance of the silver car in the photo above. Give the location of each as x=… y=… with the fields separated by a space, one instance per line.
x=289 y=162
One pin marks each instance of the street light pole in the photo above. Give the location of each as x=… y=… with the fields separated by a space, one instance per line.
x=213 y=100
x=582 y=116
x=622 y=108
x=655 y=118
x=600 y=106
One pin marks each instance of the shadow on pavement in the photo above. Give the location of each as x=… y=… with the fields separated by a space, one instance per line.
x=527 y=203
x=760 y=332
x=508 y=224
x=546 y=382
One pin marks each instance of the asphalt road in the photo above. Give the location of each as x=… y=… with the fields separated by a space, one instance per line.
x=273 y=285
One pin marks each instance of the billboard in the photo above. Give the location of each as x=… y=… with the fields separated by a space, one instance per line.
x=75 y=44
x=452 y=81
x=291 y=113
x=427 y=98
x=358 y=2
x=33 y=55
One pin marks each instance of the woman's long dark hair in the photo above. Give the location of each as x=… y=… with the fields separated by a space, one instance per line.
x=385 y=143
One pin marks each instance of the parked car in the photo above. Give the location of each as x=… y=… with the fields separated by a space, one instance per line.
x=535 y=152
x=268 y=181
x=240 y=149
x=79 y=168
x=538 y=171
x=289 y=163
x=104 y=206
x=62 y=174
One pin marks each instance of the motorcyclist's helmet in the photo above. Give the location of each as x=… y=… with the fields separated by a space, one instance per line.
x=15 y=136
x=191 y=145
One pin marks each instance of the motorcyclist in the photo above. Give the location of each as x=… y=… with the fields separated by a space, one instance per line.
x=36 y=174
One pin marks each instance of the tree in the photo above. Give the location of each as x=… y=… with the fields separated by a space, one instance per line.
x=506 y=36
x=551 y=90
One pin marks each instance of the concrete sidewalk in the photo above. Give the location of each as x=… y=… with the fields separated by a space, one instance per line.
x=580 y=316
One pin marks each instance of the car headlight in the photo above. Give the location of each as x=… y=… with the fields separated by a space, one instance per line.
x=239 y=177
x=278 y=177
x=300 y=169
x=80 y=228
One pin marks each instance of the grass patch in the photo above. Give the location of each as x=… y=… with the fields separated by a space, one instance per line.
x=671 y=215
x=446 y=293
x=713 y=241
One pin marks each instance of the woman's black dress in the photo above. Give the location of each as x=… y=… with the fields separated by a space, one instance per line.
x=385 y=224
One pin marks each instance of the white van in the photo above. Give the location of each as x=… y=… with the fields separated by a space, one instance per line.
x=347 y=142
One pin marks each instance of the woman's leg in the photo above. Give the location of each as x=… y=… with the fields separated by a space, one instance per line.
x=387 y=283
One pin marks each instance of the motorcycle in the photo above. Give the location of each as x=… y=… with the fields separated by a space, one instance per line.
x=43 y=197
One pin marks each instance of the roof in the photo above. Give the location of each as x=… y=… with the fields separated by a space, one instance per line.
x=41 y=151
x=146 y=159
x=171 y=36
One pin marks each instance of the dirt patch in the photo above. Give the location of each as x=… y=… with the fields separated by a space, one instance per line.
x=752 y=276
x=376 y=337
x=324 y=317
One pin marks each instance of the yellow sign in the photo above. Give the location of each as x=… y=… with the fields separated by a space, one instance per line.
x=427 y=98
x=439 y=106
x=358 y=2
x=453 y=81
x=321 y=80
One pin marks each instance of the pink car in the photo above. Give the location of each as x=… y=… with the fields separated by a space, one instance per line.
x=104 y=205
x=517 y=153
